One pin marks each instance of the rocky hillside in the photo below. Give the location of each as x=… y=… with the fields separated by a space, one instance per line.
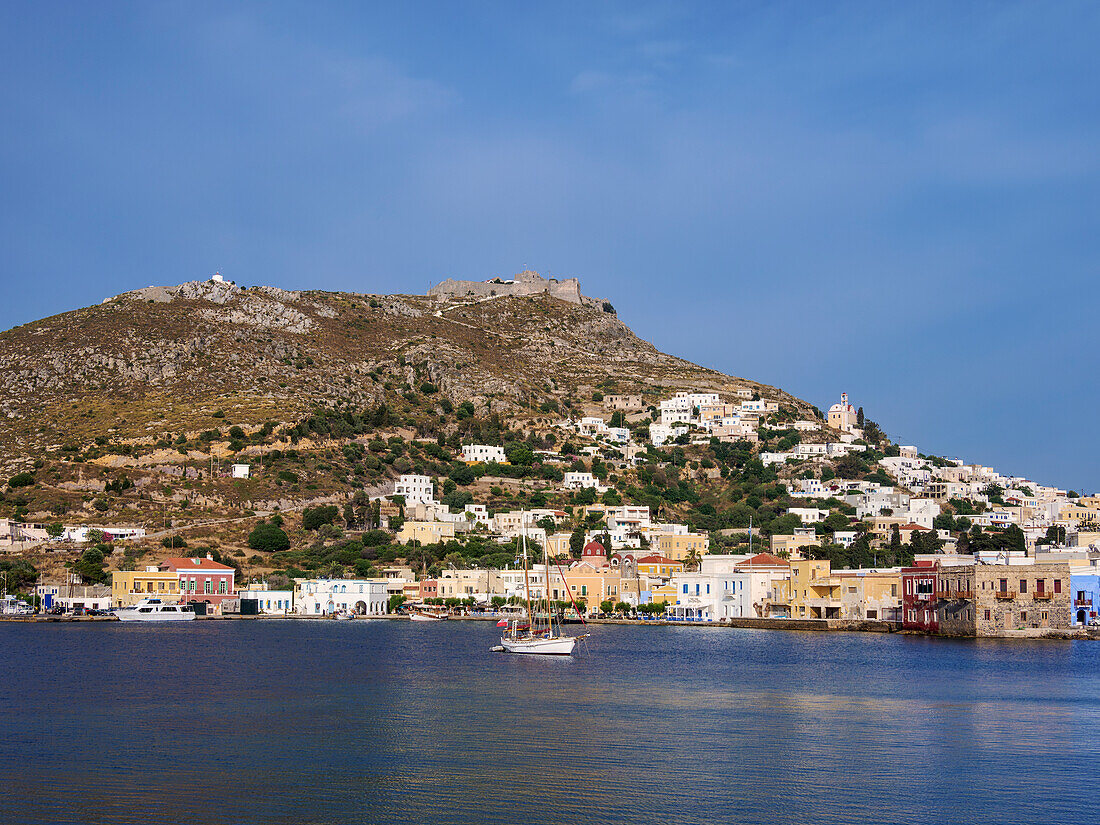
x=166 y=359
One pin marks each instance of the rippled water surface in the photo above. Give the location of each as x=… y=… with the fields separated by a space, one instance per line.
x=381 y=721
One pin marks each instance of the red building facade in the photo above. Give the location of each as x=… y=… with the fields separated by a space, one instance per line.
x=920 y=597
x=203 y=580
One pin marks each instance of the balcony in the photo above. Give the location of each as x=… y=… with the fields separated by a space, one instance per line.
x=957 y=595
x=1042 y=595
x=1082 y=602
x=1004 y=594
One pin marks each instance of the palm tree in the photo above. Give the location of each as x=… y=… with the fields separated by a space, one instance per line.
x=692 y=560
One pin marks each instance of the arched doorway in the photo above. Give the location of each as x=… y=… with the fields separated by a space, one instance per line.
x=1082 y=617
x=361 y=608
x=330 y=607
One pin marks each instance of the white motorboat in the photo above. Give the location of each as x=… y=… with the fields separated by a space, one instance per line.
x=155 y=610
x=419 y=616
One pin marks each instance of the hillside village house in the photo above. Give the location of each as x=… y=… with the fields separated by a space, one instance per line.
x=426 y=532
x=679 y=546
x=483 y=453
x=580 y=481
x=791 y=544
x=625 y=403
x=414 y=488
x=323 y=597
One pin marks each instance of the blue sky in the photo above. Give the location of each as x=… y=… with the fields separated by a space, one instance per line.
x=899 y=200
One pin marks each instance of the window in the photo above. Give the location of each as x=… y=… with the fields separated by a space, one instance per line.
x=708 y=589
x=1004 y=585
x=1023 y=585
x=208 y=586
x=893 y=590
x=1057 y=585
x=584 y=589
x=223 y=587
x=1040 y=585
x=685 y=589
x=987 y=615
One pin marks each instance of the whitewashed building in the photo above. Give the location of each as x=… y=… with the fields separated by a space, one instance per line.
x=483 y=453
x=414 y=488
x=323 y=597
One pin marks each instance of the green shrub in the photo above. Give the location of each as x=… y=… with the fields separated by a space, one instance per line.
x=268 y=538
x=21 y=480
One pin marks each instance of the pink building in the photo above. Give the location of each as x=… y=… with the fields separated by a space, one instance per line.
x=203 y=580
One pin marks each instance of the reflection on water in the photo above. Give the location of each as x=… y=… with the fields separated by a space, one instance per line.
x=337 y=722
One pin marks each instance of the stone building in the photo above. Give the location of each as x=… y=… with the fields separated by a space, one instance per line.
x=1004 y=599
x=524 y=283
x=626 y=403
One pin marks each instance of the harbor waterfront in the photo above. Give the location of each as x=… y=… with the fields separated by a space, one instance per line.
x=387 y=721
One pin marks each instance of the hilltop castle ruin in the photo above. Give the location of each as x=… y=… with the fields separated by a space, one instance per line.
x=525 y=283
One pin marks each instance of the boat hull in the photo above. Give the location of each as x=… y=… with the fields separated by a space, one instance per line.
x=561 y=646
x=133 y=616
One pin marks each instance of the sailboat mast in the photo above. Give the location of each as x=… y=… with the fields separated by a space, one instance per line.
x=527 y=579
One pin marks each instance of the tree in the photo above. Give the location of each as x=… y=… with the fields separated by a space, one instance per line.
x=90 y=565
x=860 y=420
x=576 y=542
x=20 y=573
x=396 y=600
x=268 y=538
x=55 y=530
x=606 y=606
x=21 y=480
x=692 y=560
x=623 y=608
x=314 y=517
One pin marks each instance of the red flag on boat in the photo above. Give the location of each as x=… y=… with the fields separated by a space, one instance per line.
x=502 y=623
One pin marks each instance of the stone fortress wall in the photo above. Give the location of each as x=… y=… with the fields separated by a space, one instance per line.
x=524 y=283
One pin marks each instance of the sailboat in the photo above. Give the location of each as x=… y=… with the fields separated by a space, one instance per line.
x=529 y=636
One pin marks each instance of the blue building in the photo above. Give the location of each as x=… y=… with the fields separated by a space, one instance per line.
x=1085 y=590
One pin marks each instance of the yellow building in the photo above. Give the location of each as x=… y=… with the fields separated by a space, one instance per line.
x=583 y=581
x=814 y=593
x=677 y=547
x=426 y=532
x=665 y=593
x=659 y=567
x=128 y=587
x=792 y=544
x=1081 y=515
x=870 y=594
x=557 y=544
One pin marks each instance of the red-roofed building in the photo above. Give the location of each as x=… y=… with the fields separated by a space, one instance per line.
x=202 y=580
x=592 y=551
x=762 y=560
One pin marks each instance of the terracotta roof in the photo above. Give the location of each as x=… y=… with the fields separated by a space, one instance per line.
x=761 y=559
x=656 y=559
x=592 y=548
x=177 y=564
x=912 y=526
